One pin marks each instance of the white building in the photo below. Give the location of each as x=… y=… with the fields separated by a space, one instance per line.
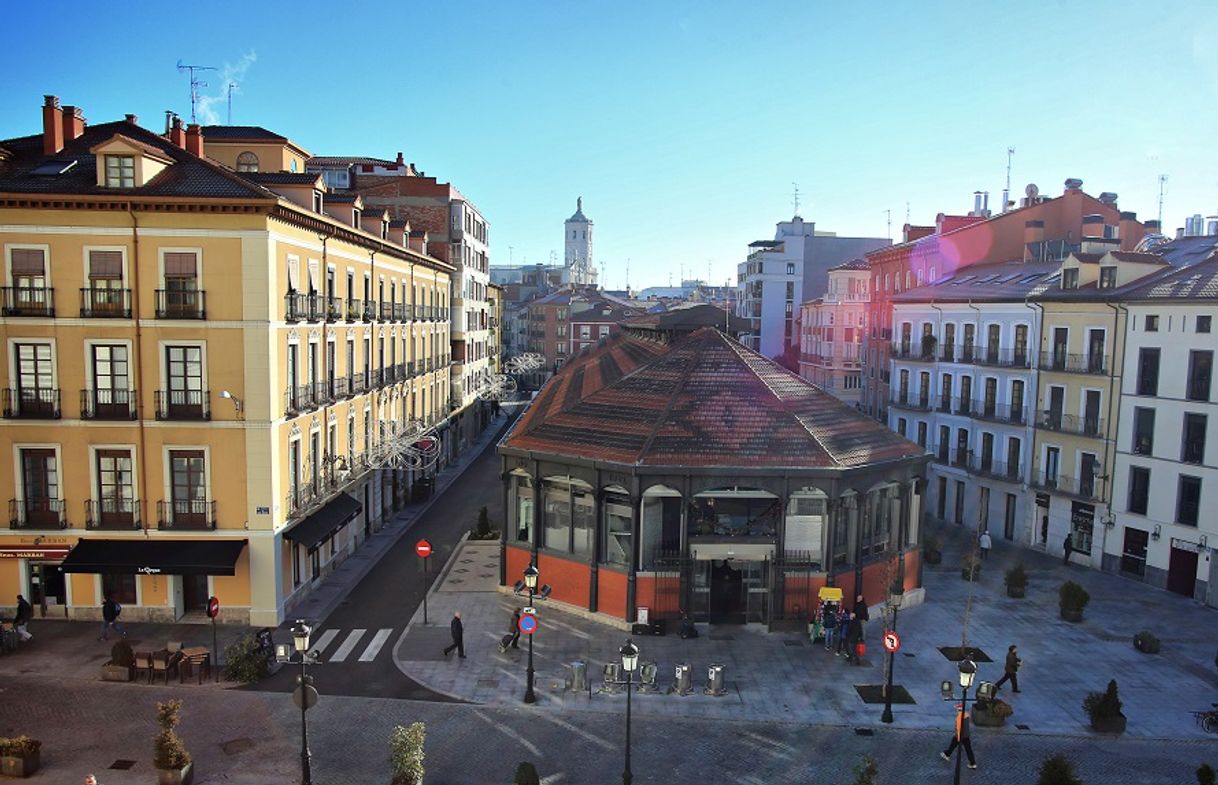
x=1166 y=468
x=831 y=332
x=577 y=242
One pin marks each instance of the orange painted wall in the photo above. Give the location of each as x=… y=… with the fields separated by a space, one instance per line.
x=570 y=580
x=611 y=593
x=517 y=560
x=234 y=591
x=84 y=590
x=800 y=595
x=912 y=560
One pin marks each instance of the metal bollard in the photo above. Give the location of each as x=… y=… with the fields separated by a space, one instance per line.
x=647 y=678
x=683 y=678
x=578 y=681
x=611 y=681
x=714 y=681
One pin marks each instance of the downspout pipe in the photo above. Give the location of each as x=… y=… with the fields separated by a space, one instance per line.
x=1118 y=351
x=137 y=360
x=1033 y=408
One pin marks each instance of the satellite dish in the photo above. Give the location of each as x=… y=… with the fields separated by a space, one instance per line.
x=1032 y=191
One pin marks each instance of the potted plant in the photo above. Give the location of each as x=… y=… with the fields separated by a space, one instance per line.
x=1072 y=598
x=1057 y=770
x=1146 y=642
x=122 y=660
x=866 y=771
x=1016 y=581
x=19 y=757
x=1104 y=710
x=930 y=549
x=1206 y=775
x=991 y=713
x=970 y=568
x=526 y=774
x=406 y=753
x=169 y=755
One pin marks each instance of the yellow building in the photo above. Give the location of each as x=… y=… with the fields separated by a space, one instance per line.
x=203 y=364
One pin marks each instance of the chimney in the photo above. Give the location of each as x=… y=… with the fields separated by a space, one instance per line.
x=1108 y=198
x=985 y=203
x=1131 y=232
x=52 y=126
x=1073 y=184
x=1153 y=226
x=177 y=134
x=194 y=139
x=133 y=119
x=1211 y=225
x=401 y=161
x=976 y=203
x=1033 y=233
x=73 y=123
x=168 y=121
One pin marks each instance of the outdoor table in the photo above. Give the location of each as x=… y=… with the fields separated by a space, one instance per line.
x=197 y=656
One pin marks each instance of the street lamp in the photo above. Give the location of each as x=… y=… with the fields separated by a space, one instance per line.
x=968 y=671
x=894 y=604
x=530 y=582
x=630 y=661
x=300 y=637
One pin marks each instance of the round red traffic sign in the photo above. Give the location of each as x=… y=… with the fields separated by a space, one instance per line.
x=213 y=607
x=423 y=548
x=528 y=624
x=892 y=641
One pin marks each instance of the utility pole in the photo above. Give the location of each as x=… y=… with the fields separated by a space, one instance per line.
x=1162 y=190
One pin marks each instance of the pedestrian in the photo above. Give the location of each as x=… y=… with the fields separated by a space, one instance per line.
x=111 y=610
x=843 y=626
x=828 y=616
x=458 y=633
x=961 y=739
x=854 y=637
x=984 y=543
x=91 y=779
x=860 y=610
x=514 y=629
x=1067 y=548
x=1010 y=670
x=21 y=620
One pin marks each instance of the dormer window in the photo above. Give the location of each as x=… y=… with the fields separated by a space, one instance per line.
x=317 y=201
x=120 y=171
x=1070 y=278
x=1108 y=277
x=247 y=162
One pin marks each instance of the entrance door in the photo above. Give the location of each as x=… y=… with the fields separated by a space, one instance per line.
x=194 y=593
x=727 y=598
x=1008 y=520
x=47 y=592
x=1057 y=397
x=1182 y=572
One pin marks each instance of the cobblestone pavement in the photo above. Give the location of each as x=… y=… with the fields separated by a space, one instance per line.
x=240 y=737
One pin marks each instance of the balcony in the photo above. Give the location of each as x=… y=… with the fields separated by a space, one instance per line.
x=302 y=499
x=299 y=398
x=1074 y=363
x=187 y=514
x=399 y=312
x=323 y=392
x=1070 y=423
x=29 y=301
x=1016 y=414
x=1085 y=489
x=941 y=453
x=1003 y=358
x=37 y=514
x=105 y=303
x=369 y=312
x=113 y=514
x=333 y=309
x=999 y=470
x=916 y=403
x=399 y=372
x=37 y=404
x=342 y=388
x=359 y=384
x=945 y=405
x=386 y=312
x=181 y=304
x=353 y=309
x=947 y=354
x=913 y=354
x=108 y=404
x=183 y=404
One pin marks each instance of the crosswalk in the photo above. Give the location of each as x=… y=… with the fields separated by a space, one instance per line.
x=349 y=643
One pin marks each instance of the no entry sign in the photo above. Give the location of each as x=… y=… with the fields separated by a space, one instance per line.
x=213 y=608
x=423 y=548
x=528 y=624
x=892 y=641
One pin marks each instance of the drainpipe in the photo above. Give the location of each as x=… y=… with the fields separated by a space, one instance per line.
x=1033 y=407
x=976 y=343
x=940 y=333
x=1109 y=446
x=136 y=357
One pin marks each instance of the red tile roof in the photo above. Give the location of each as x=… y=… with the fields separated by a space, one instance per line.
x=702 y=401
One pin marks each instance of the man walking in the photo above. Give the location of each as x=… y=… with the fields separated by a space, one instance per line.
x=514 y=630
x=984 y=543
x=1067 y=548
x=25 y=612
x=854 y=636
x=111 y=610
x=1010 y=670
x=961 y=739
x=458 y=633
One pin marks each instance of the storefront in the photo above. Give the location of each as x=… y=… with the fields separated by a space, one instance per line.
x=34 y=571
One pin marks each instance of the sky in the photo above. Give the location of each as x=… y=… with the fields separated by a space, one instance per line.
x=683 y=125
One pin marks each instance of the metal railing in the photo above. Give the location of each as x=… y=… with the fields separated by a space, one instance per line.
x=105 y=303
x=36 y=404
x=1070 y=423
x=1083 y=488
x=913 y=354
x=37 y=514
x=112 y=514
x=186 y=514
x=988 y=467
x=108 y=404
x=342 y=388
x=1074 y=363
x=999 y=412
x=29 y=301
x=354 y=309
x=386 y=312
x=181 y=304
x=183 y=404
x=1002 y=358
x=334 y=308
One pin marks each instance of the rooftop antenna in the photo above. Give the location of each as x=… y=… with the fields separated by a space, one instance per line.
x=510 y=256
x=1162 y=190
x=796 y=197
x=602 y=274
x=627 y=275
x=195 y=84
x=889 y=214
x=231 y=85
x=907 y=212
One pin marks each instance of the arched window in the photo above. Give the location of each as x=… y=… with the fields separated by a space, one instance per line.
x=247 y=162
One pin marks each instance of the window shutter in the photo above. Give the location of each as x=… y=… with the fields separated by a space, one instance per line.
x=28 y=261
x=313 y=275
x=293 y=274
x=105 y=265
x=180 y=265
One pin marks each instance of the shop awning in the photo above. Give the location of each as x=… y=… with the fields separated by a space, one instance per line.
x=156 y=557
x=329 y=519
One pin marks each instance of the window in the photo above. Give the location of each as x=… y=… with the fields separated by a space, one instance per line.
x=921 y=434
x=41 y=505
x=1139 y=489
x=1070 y=278
x=247 y=162
x=188 y=489
x=119 y=587
x=31 y=295
x=1193 y=446
x=36 y=393
x=1152 y=324
x=1188 y=500
x=1200 y=371
x=1203 y=324
x=1148 y=372
x=790 y=268
x=317 y=201
x=901 y=425
x=790 y=290
x=182 y=296
x=104 y=297
x=557 y=515
x=120 y=171
x=184 y=375
x=115 y=488
x=1108 y=277
x=1143 y=431
x=111 y=381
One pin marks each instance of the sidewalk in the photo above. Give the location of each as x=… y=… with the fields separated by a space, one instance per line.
x=781 y=676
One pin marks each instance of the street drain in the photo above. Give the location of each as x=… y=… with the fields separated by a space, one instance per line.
x=1021 y=726
x=122 y=765
x=864 y=732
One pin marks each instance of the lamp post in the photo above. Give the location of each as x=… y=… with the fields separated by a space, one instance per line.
x=968 y=671
x=530 y=582
x=630 y=661
x=300 y=637
x=894 y=604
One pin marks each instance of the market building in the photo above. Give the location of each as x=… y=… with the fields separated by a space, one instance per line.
x=674 y=470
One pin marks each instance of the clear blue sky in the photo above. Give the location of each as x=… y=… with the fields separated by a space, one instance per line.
x=682 y=124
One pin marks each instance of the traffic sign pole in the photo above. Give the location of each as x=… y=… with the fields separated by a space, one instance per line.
x=423 y=548
x=213 y=610
x=425 y=592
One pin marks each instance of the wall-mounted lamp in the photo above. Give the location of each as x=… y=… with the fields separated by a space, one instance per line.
x=236 y=401
x=1202 y=541
x=1157 y=533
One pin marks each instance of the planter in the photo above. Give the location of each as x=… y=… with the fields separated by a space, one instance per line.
x=111 y=672
x=401 y=781
x=1016 y=591
x=932 y=557
x=1109 y=724
x=20 y=765
x=1072 y=615
x=1146 y=646
x=976 y=573
x=988 y=719
x=181 y=776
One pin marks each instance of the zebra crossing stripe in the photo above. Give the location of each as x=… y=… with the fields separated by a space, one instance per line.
x=323 y=641
x=348 y=646
x=374 y=646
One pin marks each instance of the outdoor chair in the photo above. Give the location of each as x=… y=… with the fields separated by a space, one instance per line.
x=163 y=663
x=143 y=664
x=173 y=647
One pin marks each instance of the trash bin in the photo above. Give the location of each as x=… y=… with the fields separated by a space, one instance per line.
x=682 y=683
x=714 y=680
x=579 y=677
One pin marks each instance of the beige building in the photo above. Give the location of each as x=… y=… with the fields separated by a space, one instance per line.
x=831 y=332
x=203 y=363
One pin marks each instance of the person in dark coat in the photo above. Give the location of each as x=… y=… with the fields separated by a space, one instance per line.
x=1067 y=548
x=860 y=610
x=25 y=612
x=854 y=636
x=514 y=630
x=111 y=610
x=1010 y=670
x=458 y=633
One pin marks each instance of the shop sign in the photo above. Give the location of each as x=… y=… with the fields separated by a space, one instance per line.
x=149 y=570
x=1082 y=516
x=22 y=552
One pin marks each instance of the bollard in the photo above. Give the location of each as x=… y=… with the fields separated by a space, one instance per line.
x=714 y=681
x=611 y=680
x=682 y=683
x=579 y=677
x=647 y=678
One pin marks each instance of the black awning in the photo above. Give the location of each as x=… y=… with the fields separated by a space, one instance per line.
x=156 y=557
x=320 y=525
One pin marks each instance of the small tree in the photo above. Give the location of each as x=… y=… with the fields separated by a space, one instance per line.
x=1206 y=775
x=866 y=771
x=406 y=753
x=121 y=654
x=526 y=774
x=1058 y=770
x=168 y=751
x=1103 y=705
